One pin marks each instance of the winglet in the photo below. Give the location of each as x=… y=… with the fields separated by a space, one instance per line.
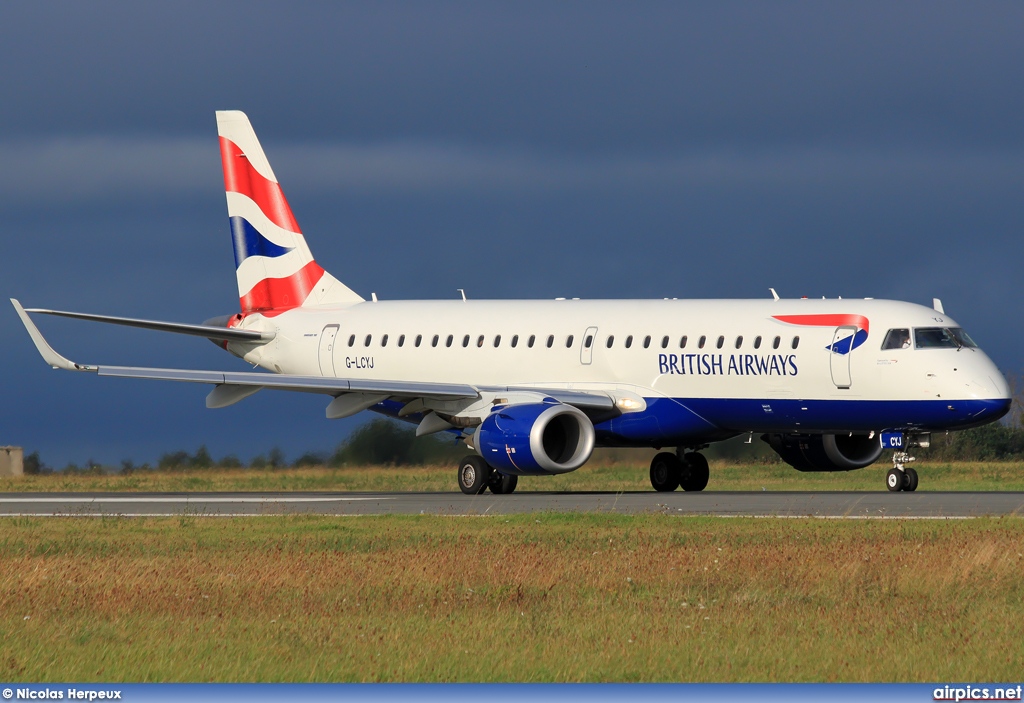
x=50 y=356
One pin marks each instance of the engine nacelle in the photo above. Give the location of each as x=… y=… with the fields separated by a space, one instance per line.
x=536 y=438
x=825 y=452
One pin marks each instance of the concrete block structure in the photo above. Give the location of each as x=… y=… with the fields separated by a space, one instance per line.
x=12 y=461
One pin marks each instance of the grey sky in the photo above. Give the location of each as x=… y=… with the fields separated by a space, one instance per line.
x=514 y=149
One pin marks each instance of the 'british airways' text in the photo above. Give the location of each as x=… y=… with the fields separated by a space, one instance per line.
x=734 y=365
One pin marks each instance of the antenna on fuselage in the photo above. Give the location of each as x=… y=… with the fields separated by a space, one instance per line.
x=463 y=291
x=774 y=294
x=937 y=304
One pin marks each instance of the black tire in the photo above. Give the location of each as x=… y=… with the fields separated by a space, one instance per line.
x=695 y=472
x=665 y=470
x=910 y=484
x=474 y=475
x=894 y=480
x=501 y=484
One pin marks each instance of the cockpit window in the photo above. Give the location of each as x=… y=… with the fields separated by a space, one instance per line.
x=897 y=339
x=942 y=338
x=963 y=338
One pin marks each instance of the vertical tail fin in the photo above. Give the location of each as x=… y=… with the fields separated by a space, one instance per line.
x=273 y=264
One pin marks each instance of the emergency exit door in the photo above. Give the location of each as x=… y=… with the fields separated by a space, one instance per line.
x=327 y=338
x=587 y=350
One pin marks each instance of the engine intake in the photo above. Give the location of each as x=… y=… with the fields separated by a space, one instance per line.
x=536 y=438
x=825 y=452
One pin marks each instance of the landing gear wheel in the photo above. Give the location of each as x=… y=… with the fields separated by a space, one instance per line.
x=474 y=474
x=501 y=484
x=910 y=480
x=665 y=470
x=695 y=472
x=894 y=480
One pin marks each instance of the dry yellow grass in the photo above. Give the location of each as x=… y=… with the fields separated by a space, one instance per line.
x=524 y=598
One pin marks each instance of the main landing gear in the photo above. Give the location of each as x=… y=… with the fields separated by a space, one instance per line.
x=476 y=476
x=669 y=472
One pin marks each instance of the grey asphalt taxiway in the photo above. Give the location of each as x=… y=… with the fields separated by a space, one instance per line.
x=733 y=504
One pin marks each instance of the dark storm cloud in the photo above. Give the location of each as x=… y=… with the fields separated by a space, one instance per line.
x=514 y=149
x=566 y=75
x=71 y=170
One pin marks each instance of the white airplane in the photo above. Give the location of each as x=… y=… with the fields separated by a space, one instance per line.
x=533 y=386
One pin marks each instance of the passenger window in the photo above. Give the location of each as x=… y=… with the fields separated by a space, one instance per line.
x=515 y=340
x=664 y=342
x=739 y=341
x=588 y=341
x=419 y=338
x=384 y=341
x=611 y=341
x=647 y=341
x=682 y=342
x=433 y=342
x=369 y=338
x=776 y=342
x=352 y=340
x=568 y=342
x=497 y=340
x=721 y=341
x=897 y=339
x=465 y=341
x=757 y=342
x=531 y=340
x=479 y=341
x=448 y=342
x=702 y=341
x=401 y=340
x=629 y=341
x=551 y=340
x=796 y=342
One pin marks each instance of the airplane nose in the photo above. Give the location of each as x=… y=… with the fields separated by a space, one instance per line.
x=999 y=386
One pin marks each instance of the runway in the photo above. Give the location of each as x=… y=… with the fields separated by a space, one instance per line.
x=851 y=505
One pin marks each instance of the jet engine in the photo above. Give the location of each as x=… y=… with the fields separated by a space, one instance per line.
x=536 y=438
x=825 y=452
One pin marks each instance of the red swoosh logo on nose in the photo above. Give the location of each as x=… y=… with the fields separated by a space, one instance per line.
x=826 y=320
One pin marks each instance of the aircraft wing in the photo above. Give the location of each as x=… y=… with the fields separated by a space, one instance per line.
x=230 y=387
x=219 y=333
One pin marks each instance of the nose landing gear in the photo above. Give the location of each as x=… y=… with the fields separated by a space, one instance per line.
x=904 y=479
x=901 y=477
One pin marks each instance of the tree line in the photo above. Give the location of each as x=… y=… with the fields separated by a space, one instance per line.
x=380 y=442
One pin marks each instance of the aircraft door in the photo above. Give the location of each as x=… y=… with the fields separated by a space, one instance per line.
x=587 y=350
x=327 y=338
x=841 y=353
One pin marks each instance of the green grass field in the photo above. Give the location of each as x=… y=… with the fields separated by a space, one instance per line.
x=521 y=598
x=598 y=476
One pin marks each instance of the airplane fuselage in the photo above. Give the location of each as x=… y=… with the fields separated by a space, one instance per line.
x=706 y=369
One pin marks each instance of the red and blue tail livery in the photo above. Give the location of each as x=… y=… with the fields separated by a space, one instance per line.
x=273 y=264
